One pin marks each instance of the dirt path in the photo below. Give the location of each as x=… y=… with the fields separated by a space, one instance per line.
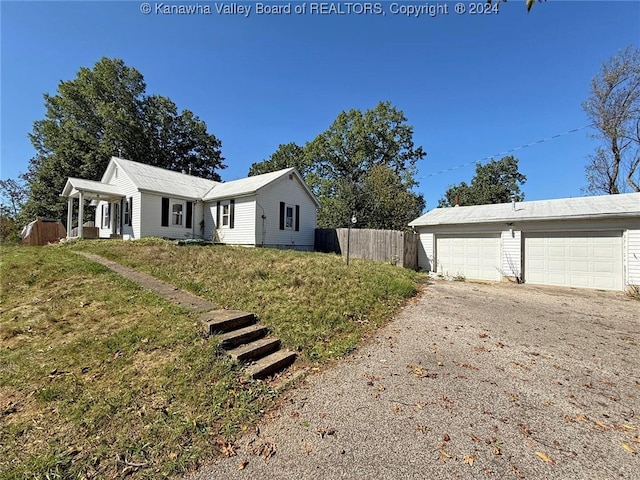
x=470 y=381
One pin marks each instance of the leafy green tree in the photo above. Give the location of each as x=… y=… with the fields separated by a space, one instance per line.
x=345 y=156
x=105 y=112
x=364 y=163
x=286 y=156
x=613 y=106
x=495 y=182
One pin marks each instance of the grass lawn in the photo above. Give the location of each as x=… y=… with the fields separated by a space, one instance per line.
x=101 y=378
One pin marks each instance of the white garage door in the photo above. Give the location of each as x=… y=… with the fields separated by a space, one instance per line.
x=582 y=259
x=476 y=257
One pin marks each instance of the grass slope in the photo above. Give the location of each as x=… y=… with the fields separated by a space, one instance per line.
x=102 y=379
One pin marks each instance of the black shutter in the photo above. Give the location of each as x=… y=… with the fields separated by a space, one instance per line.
x=165 y=212
x=297 y=218
x=104 y=209
x=218 y=214
x=130 y=211
x=232 y=212
x=109 y=215
x=189 y=214
x=122 y=200
x=281 y=215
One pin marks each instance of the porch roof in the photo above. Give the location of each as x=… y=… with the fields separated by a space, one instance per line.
x=91 y=190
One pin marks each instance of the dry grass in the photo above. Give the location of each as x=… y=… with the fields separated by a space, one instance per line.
x=102 y=379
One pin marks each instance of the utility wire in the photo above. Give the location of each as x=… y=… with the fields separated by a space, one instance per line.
x=490 y=157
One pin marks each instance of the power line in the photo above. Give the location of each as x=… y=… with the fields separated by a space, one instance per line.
x=490 y=157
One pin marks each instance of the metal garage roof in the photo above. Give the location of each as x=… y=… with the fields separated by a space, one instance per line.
x=604 y=206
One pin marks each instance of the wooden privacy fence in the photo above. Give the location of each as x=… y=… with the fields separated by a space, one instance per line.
x=392 y=246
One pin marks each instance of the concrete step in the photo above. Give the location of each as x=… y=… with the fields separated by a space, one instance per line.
x=271 y=364
x=220 y=321
x=255 y=349
x=243 y=335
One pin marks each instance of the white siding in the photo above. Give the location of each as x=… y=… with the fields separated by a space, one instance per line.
x=425 y=251
x=119 y=178
x=151 y=205
x=268 y=233
x=633 y=257
x=243 y=232
x=512 y=253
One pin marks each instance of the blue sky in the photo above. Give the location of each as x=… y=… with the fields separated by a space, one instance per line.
x=472 y=86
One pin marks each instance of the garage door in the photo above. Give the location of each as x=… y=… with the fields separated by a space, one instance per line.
x=476 y=257
x=583 y=259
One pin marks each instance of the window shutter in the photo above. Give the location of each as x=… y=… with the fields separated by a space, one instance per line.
x=130 y=211
x=165 y=212
x=232 y=211
x=104 y=216
x=218 y=214
x=189 y=214
x=297 y=218
x=122 y=200
x=108 y=215
x=281 y=215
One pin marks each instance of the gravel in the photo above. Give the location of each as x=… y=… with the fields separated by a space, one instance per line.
x=470 y=380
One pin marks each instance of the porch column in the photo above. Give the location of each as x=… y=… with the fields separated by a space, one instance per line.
x=80 y=214
x=69 y=215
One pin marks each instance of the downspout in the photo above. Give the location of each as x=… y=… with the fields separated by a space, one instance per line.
x=264 y=230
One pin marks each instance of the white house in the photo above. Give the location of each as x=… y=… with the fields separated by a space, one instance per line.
x=590 y=242
x=135 y=200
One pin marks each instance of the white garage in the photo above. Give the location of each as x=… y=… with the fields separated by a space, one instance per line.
x=584 y=242
x=575 y=259
x=476 y=256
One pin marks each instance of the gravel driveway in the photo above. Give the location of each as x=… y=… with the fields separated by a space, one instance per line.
x=469 y=381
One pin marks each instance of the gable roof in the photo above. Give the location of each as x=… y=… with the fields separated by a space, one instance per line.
x=159 y=180
x=75 y=185
x=610 y=206
x=250 y=185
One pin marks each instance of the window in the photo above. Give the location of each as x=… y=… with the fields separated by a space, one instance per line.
x=226 y=213
x=289 y=217
x=106 y=220
x=176 y=214
x=126 y=213
x=288 y=221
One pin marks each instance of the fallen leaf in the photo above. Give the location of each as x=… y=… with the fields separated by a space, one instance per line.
x=228 y=449
x=603 y=426
x=545 y=458
x=469 y=459
x=483 y=335
x=628 y=448
x=446 y=438
x=395 y=409
x=243 y=464
x=443 y=455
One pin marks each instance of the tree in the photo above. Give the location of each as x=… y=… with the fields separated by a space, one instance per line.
x=105 y=112
x=496 y=182
x=613 y=106
x=345 y=157
x=14 y=194
x=364 y=163
x=286 y=156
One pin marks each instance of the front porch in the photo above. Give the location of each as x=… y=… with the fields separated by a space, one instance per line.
x=91 y=191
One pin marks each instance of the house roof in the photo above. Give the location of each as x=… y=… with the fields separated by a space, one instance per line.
x=160 y=180
x=250 y=185
x=91 y=188
x=622 y=205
